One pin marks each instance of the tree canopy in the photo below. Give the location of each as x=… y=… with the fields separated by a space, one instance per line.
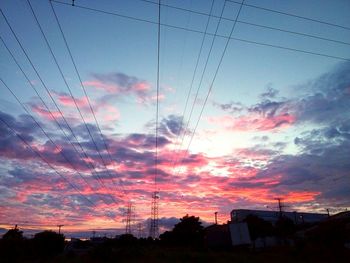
x=188 y=232
x=13 y=234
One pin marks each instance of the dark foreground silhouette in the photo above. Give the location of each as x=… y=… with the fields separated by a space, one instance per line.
x=188 y=242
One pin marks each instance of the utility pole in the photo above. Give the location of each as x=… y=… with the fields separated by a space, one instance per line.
x=154 y=228
x=59 y=228
x=280 y=206
x=216 y=218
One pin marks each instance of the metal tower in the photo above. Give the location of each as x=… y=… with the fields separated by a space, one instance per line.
x=128 y=219
x=154 y=228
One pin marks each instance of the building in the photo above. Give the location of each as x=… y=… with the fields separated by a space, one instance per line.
x=239 y=215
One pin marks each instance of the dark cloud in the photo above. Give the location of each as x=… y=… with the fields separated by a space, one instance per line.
x=231 y=107
x=123 y=84
x=270 y=93
x=330 y=98
x=168 y=222
x=268 y=108
x=321 y=166
x=171 y=126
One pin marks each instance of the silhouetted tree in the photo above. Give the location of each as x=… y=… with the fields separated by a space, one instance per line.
x=13 y=234
x=48 y=243
x=12 y=245
x=258 y=227
x=188 y=232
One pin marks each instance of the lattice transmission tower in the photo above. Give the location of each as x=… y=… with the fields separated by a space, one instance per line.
x=154 y=227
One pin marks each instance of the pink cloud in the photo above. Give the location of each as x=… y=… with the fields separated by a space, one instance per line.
x=67 y=101
x=254 y=122
x=45 y=113
x=142 y=86
x=110 y=113
x=110 y=88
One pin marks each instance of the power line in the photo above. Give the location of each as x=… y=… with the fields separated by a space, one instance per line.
x=294 y=32
x=42 y=158
x=85 y=93
x=251 y=24
x=45 y=133
x=91 y=165
x=293 y=15
x=32 y=87
x=157 y=103
x=47 y=90
x=191 y=85
x=154 y=227
x=202 y=77
x=201 y=32
x=213 y=80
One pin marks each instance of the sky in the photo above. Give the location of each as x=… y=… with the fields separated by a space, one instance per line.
x=253 y=105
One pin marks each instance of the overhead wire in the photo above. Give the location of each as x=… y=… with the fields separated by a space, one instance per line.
x=214 y=78
x=253 y=24
x=91 y=165
x=157 y=101
x=174 y=161
x=85 y=93
x=25 y=75
x=184 y=44
x=45 y=133
x=202 y=32
x=43 y=158
x=201 y=79
x=292 y=15
x=46 y=89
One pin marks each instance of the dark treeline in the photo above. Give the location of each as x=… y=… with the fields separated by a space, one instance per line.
x=44 y=246
x=186 y=242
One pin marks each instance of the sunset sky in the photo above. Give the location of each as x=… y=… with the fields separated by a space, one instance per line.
x=275 y=124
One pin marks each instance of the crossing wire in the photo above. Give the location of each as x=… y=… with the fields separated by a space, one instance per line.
x=47 y=90
x=292 y=15
x=84 y=90
x=202 y=32
x=252 y=24
x=91 y=165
